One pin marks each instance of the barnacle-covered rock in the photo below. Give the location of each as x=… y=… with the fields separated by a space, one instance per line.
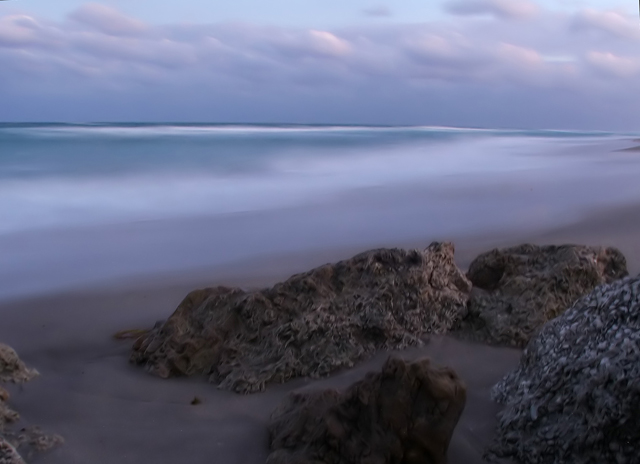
x=311 y=324
x=517 y=290
x=575 y=396
x=404 y=414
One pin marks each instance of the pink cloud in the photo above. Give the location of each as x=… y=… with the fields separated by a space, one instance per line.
x=611 y=22
x=614 y=65
x=24 y=31
x=108 y=20
x=327 y=43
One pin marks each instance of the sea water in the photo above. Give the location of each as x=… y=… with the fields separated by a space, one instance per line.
x=83 y=203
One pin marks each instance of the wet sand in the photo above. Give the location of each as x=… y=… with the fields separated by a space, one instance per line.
x=109 y=411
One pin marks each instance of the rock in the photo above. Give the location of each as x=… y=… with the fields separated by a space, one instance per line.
x=311 y=324
x=8 y=453
x=35 y=439
x=7 y=415
x=404 y=414
x=13 y=370
x=575 y=397
x=517 y=290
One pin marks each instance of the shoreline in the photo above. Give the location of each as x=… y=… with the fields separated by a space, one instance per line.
x=616 y=227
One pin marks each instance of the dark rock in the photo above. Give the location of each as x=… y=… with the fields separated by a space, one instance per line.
x=575 y=396
x=404 y=414
x=311 y=324
x=517 y=290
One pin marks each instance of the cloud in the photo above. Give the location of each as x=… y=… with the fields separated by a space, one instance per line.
x=327 y=43
x=614 y=65
x=377 y=11
x=162 y=53
x=108 y=20
x=610 y=22
x=443 y=55
x=521 y=56
x=25 y=31
x=506 y=9
x=18 y=30
x=99 y=59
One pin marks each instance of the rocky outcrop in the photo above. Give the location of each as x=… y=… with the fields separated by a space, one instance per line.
x=13 y=370
x=311 y=324
x=575 y=396
x=517 y=290
x=404 y=414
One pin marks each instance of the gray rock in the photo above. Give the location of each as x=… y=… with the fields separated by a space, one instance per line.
x=581 y=374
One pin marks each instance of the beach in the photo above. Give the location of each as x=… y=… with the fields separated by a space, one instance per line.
x=111 y=411
x=92 y=255
x=319 y=232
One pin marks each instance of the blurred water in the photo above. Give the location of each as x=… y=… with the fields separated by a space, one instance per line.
x=83 y=203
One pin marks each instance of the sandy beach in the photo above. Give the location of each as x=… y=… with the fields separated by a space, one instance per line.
x=110 y=411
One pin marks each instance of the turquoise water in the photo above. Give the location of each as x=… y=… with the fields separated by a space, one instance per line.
x=66 y=175
x=47 y=150
x=80 y=204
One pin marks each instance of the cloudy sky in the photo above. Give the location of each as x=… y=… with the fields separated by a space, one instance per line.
x=487 y=63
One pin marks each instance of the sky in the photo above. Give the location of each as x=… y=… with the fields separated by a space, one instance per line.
x=563 y=64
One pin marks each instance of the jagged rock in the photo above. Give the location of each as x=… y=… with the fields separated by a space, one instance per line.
x=311 y=324
x=517 y=290
x=13 y=370
x=404 y=414
x=575 y=396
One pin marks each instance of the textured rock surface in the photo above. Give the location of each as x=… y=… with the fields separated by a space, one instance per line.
x=12 y=369
x=575 y=396
x=8 y=453
x=311 y=324
x=517 y=290
x=404 y=414
x=29 y=439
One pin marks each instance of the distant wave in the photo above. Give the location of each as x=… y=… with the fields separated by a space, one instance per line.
x=168 y=129
x=57 y=175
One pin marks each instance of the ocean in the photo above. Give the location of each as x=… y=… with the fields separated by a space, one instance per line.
x=84 y=203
